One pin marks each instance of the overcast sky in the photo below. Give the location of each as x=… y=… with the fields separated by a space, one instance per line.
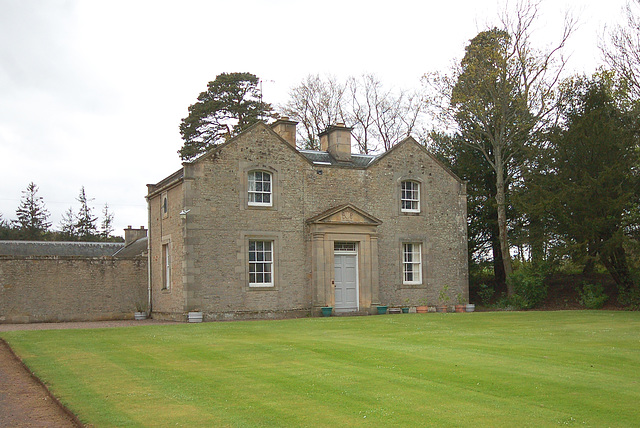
x=92 y=92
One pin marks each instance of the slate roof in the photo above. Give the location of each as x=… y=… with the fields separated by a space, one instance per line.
x=136 y=248
x=324 y=158
x=57 y=248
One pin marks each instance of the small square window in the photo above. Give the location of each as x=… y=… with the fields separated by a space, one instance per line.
x=260 y=193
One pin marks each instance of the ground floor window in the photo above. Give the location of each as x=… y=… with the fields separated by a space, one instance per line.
x=166 y=267
x=412 y=263
x=260 y=263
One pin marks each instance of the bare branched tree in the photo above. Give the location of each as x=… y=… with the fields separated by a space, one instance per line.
x=316 y=103
x=380 y=116
x=621 y=49
x=361 y=112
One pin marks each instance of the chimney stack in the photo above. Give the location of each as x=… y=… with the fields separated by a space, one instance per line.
x=132 y=235
x=336 y=140
x=286 y=129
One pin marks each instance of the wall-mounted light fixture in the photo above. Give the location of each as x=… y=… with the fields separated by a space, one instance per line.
x=183 y=214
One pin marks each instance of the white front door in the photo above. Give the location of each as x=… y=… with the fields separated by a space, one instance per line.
x=346 y=282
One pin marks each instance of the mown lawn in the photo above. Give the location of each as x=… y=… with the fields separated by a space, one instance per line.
x=512 y=369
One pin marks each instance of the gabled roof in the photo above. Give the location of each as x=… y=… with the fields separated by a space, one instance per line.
x=411 y=140
x=219 y=147
x=313 y=157
x=178 y=176
x=134 y=249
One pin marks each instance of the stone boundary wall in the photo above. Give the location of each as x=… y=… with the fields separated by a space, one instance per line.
x=70 y=288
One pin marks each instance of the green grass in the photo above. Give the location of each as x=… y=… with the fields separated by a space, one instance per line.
x=532 y=369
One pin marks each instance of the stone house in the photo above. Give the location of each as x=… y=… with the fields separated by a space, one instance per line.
x=256 y=228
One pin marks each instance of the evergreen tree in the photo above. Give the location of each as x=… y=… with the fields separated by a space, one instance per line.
x=106 y=227
x=7 y=231
x=231 y=103
x=85 y=226
x=32 y=221
x=68 y=226
x=595 y=191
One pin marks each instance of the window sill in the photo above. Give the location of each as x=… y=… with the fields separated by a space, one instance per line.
x=413 y=285
x=258 y=288
x=260 y=207
x=411 y=213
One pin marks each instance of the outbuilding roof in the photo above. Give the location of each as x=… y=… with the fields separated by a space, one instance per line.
x=57 y=248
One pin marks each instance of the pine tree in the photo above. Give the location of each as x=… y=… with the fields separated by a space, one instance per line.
x=106 y=227
x=85 y=226
x=68 y=226
x=231 y=104
x=32 y=221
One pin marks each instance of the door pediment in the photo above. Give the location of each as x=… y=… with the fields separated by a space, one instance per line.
x=345 y=214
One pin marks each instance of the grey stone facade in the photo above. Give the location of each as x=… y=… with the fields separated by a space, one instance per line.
x=202 y=225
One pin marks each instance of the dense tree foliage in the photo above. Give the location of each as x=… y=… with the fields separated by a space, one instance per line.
x=593 y=180
x=231 y=103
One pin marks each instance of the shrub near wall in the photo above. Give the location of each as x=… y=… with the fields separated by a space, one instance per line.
x=55 y=288
x=529 y=288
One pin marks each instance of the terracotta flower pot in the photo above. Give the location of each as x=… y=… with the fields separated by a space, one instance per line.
x=460 y=308
x=422 y=309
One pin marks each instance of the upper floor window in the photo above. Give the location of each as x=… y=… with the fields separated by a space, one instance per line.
x=410 y=196
x=165 y=205
x=260 y=188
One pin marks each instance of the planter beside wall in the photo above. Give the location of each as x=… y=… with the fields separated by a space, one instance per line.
x=326 y=311
x=470 y=307
x=139 y=315
x=460 y=308
x=194 y=316
x=396 y=310
x=422 y=309
x=382 y=310
x=442 y=308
